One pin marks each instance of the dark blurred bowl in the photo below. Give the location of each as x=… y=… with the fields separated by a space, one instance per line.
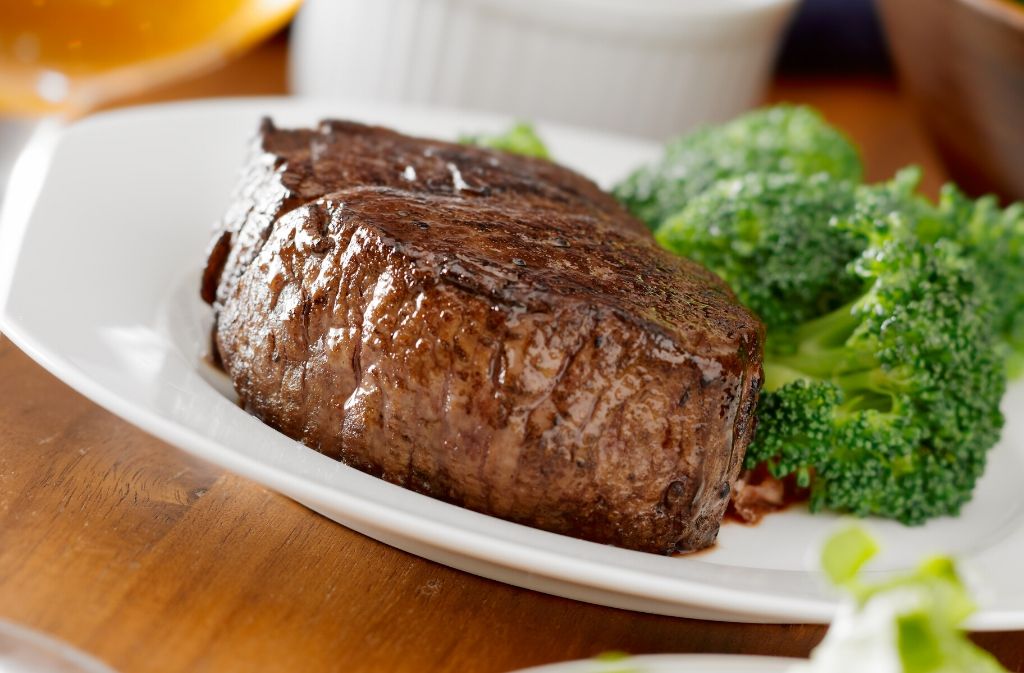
x=962 y=62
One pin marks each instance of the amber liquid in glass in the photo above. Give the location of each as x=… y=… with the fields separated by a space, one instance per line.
x=69 y=55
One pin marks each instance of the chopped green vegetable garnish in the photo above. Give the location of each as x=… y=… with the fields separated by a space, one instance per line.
x=519 y=139
x=908 y=623
x=845 y=553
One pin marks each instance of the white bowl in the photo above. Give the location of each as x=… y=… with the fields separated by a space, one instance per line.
x=647 y=67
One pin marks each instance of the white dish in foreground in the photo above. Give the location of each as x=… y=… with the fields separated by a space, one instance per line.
x=100 y=275
x=671 y=663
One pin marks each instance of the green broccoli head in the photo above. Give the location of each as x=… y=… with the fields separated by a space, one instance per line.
x=771 y=238
x=882 y=376
x=995 y=238
x=991 y=236
x=891 y=402
x=780 y=139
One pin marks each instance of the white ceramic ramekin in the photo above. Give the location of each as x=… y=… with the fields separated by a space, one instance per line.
x=646 y=67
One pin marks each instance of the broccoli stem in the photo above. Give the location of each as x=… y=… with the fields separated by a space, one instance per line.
x=823 y=354
x=777 y=375
x=820 y=351
x=830 y=331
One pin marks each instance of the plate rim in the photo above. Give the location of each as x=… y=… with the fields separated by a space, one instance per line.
x=664 y=662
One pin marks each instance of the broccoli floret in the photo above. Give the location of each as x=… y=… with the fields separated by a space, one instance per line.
x=521 y=138
x=780 y=139
x=991 y=236
x=888 y=405
x=995 y=239
x=882 y=379
x=882 y=375
x=770 y=237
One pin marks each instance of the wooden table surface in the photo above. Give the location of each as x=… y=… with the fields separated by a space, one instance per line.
x=156 y=561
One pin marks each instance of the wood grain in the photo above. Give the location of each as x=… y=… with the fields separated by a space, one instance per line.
x=158 y=562
x=972 y=98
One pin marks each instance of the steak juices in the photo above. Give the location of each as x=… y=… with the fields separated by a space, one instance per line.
x=488 y=329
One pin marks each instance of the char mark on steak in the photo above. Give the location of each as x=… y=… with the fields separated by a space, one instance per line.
x=488 y=329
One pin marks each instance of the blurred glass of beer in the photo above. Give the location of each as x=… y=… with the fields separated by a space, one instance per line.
x=68 y=56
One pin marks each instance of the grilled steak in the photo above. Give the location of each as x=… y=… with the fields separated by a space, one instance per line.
x=488 y=329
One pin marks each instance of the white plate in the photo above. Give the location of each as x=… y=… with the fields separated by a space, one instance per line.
x=671 y=663
x=100 y=274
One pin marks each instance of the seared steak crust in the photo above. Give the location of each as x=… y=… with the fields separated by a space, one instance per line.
x=488 y=329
